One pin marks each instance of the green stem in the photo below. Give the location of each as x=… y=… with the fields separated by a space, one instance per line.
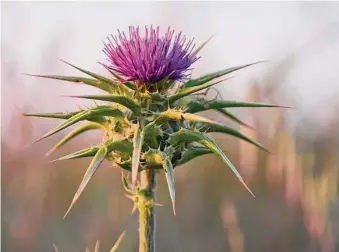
x=147 y=222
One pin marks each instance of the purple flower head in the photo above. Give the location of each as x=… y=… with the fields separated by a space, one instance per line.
x=150 y=58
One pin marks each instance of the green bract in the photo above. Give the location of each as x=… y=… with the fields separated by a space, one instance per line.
x=144 y=129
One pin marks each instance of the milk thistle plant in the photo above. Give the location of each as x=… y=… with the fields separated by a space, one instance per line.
x=149 y=125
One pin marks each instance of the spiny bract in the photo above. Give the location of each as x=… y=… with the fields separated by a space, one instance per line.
x=150 y=121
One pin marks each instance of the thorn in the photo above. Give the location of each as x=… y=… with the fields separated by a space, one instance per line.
x=289 y=107
x=129 y=197
x=158 y=204
x=69 y=96
x=248 y=189
x=173 y=204
x=52 y=161
x=50 y=152
x=97 y=246
x=66 y=213
x=206 y=129
x=38 y=140
x=65 y=62
x=69 y=209
x=134 y=209
x=55 y=248
x=18 y=109
x=270 y=152
x=202 y=46
x=32 y=75
x=247 y=126
x=138 y=184
x=117 y=243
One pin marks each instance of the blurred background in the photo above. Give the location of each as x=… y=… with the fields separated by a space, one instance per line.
x=296 y=206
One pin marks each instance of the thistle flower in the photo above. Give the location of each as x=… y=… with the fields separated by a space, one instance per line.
x=148 y=133
x=150 y=58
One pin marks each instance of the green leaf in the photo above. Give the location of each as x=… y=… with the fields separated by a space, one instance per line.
x=169 y=172
x=74 y=133
x=114 y=86
x=91 y=82
x=190 y=90
x=97 y=160
x=122 y=100
x=138 y=141
x=184 y=136
x=233 y=117
x=122 y=145
x=208 y=77
x=94 y=75
x=151 y=131
x=209 y=143
x=191 y=153
x=111 y=72
x=85 y=115
x=178 y=115
x=88 y=152
x=126 y=165
x=190 y=107
x=137 y=145
x=130 y=85
x=57 y=115
x=195 y=106
x=74 y=119
x=229 y=131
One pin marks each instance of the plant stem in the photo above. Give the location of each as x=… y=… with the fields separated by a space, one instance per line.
x=147 y=221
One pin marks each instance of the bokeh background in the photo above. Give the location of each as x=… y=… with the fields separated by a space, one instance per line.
x=296 y=206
